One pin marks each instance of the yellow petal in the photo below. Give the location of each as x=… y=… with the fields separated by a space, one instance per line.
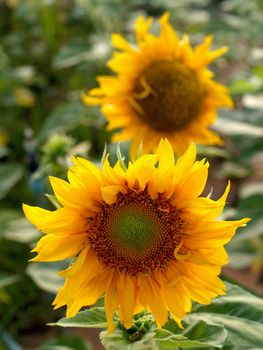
x=119 y=42
x=151 y=298
x=111 y=301
x=142 y=27
x=109 y=193
x=127 y=295
x=112 y=176
x=184 y=164
x=63 y=221
x=193 y=185
x=174 y=301
x=54 y=247
x=35 y=215
x=89 y=293
x=71 y=197
x=166 y=157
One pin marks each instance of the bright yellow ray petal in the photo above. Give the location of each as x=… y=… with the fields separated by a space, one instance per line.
x=73 y=198
x=127 y=295
x=83 y=273
x=142 y=27
x=184 y=164
x=35 y=215
x=139 y=171
x=110 y=192
x=62 y=221
x=151 y=298
x=208 y=235
x=166 y=157
x=119 y=42
x=89 y=293
x=174 y=301
x=204 y=208
x=54 y=247
x=112 y=176
x=193 y=185
x=88 y=166
x=111 y=300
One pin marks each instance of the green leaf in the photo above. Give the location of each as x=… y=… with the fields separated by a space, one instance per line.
x=78 y=51
x=242 y=259
x=6 y=280
x=212 y=151
x=118 y=341
x=232 y=321
x=240 y=333
x=4 y=151
x=251 y=189
x=234 y=127
x=252 y=230
x=65 y=342
x=242 y=86
x=15 y=227
x=197 y=335
x=258 y=71
x=233 y=170
x=237 y=302
x=65 y=117
x=10 y=174
x=239 y=312
x=45 y=275
x=71 y=54
x=92 y=318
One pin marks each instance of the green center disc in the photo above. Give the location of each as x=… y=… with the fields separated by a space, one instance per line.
x=135 y=229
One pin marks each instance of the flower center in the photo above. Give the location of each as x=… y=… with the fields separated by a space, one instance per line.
x=167 y=96
x=136 y=234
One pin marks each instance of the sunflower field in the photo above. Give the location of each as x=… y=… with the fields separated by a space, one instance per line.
x=131 y=174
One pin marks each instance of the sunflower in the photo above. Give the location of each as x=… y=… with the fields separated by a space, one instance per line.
x=162 y=88
x=140 y=236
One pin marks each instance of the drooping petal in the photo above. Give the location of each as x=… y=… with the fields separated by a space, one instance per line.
x=111 y=300
x=127 y=295
x=151 y=298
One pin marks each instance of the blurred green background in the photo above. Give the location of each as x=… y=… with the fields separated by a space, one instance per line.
x=50 y=52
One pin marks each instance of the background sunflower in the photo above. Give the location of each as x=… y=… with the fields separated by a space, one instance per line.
x=162 y=88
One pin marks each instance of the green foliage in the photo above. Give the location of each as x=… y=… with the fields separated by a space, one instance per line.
x=46 y=276
x=50 y=53
x=92 y=318
x=66 y=342
x=10 y=174
x=15 y=227
x=7 y=342
x=233 y=320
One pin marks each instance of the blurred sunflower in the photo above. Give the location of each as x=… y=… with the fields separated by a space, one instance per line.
x=142 y=236
x=162 y=89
